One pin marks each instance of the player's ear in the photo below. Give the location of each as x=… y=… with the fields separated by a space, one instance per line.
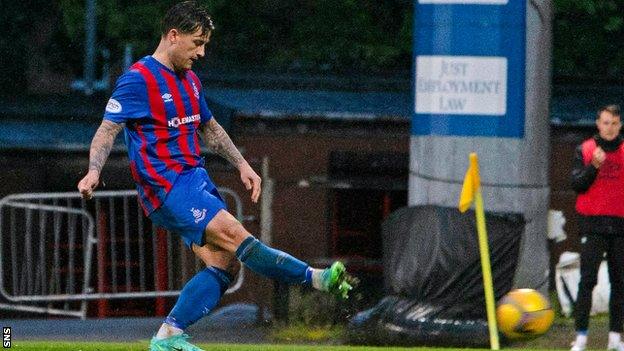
x=173 y=36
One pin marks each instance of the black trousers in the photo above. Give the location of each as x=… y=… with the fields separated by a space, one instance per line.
x=591 y=256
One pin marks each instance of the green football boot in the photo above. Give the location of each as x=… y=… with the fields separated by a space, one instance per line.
x=174 y=343
x=334 y=280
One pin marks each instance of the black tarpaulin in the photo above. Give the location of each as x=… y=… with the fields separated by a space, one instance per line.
x=432 y=271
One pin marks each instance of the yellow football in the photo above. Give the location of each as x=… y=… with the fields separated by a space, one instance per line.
x=524 y=313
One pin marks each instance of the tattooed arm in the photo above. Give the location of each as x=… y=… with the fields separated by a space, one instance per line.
x=101 y=146
x=219 y=141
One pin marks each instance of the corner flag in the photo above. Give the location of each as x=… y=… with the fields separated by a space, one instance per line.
x=472 y=183
x=471 y=191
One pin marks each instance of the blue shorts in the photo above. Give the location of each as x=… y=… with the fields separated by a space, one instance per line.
x=191 y=203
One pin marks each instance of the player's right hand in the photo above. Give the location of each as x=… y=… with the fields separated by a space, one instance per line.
x=598 y=157
x=87 y=185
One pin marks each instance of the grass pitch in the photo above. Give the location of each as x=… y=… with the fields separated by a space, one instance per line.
x=103 y=346
x=558 y=338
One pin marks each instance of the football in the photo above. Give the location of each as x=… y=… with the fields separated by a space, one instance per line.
x=523 y=314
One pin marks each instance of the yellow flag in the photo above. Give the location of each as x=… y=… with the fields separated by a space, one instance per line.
x=471 y=192
x=472 y=182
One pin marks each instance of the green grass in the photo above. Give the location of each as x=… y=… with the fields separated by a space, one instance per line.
x=93 y=346
x=557 y=338
x=321 y=338
x=562 y=333
x=299 y=333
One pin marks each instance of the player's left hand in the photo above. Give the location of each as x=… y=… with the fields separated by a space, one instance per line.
x=251 y=180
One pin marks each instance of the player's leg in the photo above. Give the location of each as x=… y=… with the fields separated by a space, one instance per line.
x=187 y=209
x=592 y=250
x=198 y=297
x=228 y=233
x=615 y=261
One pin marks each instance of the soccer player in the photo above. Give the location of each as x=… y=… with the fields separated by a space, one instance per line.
x=160 y=105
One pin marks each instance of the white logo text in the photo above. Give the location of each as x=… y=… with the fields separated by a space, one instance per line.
x=177 y=121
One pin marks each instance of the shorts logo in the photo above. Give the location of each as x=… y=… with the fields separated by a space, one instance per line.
x=167 y=97
x=198 y=214
x=113 y=106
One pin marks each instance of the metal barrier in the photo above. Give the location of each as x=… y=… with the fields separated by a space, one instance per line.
x=57 y=251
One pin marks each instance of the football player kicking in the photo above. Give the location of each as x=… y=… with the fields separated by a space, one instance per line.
x=160 y=105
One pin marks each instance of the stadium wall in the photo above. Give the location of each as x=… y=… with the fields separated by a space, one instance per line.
x=299 y=161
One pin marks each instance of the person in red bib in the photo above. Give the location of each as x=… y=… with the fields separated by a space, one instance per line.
x=598 y=178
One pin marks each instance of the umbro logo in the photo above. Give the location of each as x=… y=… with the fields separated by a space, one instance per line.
x=198 y=214
x=167 y=97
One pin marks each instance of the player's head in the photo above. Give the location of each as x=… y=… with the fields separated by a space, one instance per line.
x=608 y=122
x=186 y=29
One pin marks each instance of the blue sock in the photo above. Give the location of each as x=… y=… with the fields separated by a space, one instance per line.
x=273 y=263
x=198 y=297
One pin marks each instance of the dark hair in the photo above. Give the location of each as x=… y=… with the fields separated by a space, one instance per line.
x=613 y=109
x=187 y=17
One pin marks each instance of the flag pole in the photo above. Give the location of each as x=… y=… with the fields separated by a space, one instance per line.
x=485 y=258
x=487 y=272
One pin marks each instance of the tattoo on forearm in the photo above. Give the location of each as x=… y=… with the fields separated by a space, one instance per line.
x=218 y=141
x=102 y=144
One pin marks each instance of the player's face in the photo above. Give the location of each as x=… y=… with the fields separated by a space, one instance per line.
x=608 y=125
x=188 y=48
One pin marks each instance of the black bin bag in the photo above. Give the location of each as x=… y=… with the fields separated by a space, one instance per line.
x=433 y=279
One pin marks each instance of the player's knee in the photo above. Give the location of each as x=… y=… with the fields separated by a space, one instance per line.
x=226 y=232
x=234 y=233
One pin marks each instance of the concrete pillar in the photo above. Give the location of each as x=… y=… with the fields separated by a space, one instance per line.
x=482 y=84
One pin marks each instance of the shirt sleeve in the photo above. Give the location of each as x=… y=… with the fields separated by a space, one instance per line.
x=129 y=99
x=583 y=176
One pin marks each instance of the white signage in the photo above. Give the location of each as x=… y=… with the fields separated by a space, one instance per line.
x=461 y=85
x=465 y=2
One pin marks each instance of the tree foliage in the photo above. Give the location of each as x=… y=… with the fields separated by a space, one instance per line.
x=310 y=35
x=364 y=36
x=588 y=38
x=24 y=27
x=343 y=35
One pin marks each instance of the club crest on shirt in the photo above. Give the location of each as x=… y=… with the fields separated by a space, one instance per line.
x=167 y=97
x=198 y=214
x=113 y=106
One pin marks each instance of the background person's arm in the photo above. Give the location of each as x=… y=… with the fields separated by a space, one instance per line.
x=583 y=176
